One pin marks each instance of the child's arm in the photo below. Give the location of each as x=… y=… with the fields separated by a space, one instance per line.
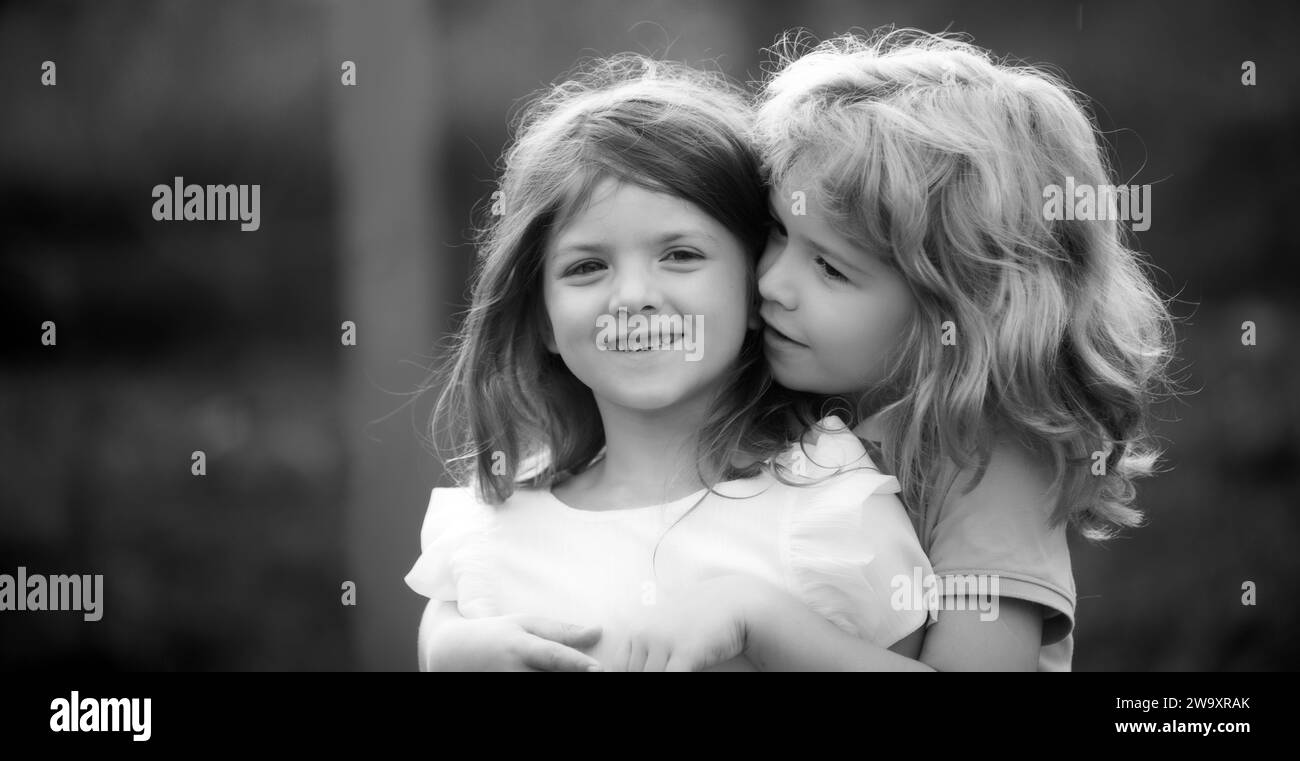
x=732 y=616
x=782 y=634
x=449 y=642
x=961 y=641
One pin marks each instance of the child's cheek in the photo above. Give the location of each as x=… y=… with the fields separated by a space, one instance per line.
x=868 y=330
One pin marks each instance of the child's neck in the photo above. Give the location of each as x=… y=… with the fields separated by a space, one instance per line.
x=649 y=459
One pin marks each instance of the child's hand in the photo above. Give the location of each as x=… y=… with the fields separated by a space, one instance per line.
x=512 y=643
x=701 y=629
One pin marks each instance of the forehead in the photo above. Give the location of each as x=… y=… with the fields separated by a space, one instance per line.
x=802 y=176
x=801 y=196
x=805 y=166
x=610 y=194
x=826 y=224
x=613 y=206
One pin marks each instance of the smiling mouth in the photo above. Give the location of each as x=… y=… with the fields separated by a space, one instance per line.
x=665 y=343
x=779 y=336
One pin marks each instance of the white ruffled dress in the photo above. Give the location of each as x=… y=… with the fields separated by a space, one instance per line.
x=840 y=542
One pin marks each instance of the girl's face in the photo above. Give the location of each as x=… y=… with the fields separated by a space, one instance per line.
x=680 y=276
x=833 y=310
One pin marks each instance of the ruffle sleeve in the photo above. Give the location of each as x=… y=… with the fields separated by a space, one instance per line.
x=852 y=554
x=450 y=539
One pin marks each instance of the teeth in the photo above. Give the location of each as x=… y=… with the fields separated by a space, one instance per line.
x=660 y=343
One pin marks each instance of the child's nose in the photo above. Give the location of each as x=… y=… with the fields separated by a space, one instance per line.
x=635 y=291
x=774 y=281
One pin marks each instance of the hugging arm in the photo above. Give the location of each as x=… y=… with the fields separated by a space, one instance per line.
x=450 y=642
x=776 y=631
x=436 y=615
x=782 y=634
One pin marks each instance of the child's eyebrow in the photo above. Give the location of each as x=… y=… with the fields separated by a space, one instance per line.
x=582 y=248
x=683 y=235
x=596 y=247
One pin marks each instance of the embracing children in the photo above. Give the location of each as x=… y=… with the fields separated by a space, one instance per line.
x=801 y=382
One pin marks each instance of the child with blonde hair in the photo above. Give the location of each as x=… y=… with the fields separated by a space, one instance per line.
x=1001 y=358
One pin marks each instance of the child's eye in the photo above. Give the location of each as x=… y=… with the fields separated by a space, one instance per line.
x=830 y=272
x=775 y=227
x=585 y=267
x=683 y=255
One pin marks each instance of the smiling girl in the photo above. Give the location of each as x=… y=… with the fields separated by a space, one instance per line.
x=637 y=486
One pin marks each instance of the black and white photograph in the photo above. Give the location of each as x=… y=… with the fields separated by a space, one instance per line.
x=649 y=335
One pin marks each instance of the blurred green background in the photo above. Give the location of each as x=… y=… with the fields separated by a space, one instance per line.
x=180 y=337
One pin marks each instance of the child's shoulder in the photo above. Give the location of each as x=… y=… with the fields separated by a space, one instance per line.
x=1015 y=479
x=450 y=507
x=465 y=503
x=454 y=496
x=1014 y=458
x=462 y=511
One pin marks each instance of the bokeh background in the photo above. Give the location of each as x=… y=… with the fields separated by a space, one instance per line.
x=175 y=337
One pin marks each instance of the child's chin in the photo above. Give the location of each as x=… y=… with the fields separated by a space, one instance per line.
x=789 y=376
x=657 y=400
x=798 y=378
x=649 y=396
